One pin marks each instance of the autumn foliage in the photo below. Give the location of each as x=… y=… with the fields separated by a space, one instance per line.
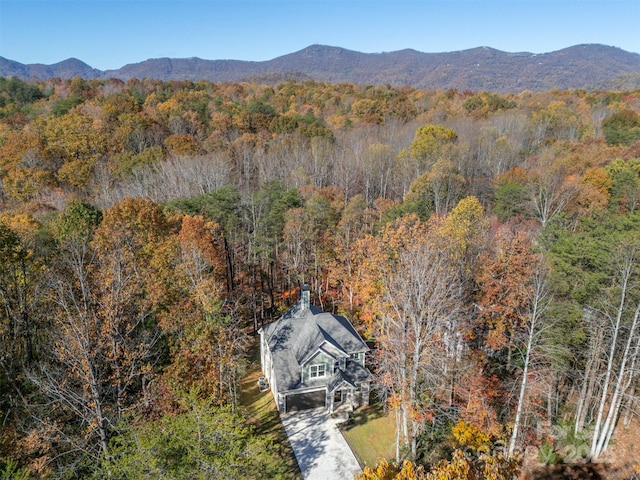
x=148 y=229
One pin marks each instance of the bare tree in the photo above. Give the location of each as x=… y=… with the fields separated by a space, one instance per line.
x=534 y=327
x=72 y=377
x=175 y=177
x=105 y=290
x=423 y=293
x=551 y=189
x=621 y=355
x=594 y=323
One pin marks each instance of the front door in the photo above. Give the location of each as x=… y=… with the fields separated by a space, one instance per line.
x=337 y=397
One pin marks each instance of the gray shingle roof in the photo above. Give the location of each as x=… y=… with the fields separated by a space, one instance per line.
x=300 y=333
x=337 y=380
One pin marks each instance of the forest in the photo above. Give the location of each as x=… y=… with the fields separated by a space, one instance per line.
x=486 y=246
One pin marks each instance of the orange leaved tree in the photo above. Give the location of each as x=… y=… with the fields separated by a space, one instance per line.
x=421 y=302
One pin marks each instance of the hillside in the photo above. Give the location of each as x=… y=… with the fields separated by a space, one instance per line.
x=578 y=67
x=149 y=228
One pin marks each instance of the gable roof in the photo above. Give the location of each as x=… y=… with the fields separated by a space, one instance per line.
x=337 y=381
x=300 y=333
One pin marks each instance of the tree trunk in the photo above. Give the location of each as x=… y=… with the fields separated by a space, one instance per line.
x=597 y=433
x=398 y=430
x=523 y=389
x=590 y=374
x=537 y=308
x=620 y=387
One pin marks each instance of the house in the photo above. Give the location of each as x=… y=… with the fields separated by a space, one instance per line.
x=312 y=358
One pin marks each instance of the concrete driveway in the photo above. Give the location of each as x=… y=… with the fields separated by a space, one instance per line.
x=320 y=449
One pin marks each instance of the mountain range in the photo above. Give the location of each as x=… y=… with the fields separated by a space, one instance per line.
x=590 y=66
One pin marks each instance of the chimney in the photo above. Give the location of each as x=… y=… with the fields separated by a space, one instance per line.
x=305 y=297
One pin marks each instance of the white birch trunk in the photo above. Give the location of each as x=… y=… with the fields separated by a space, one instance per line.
x=537 y=307
x=585 y=397
x=521 y=397
x=597 y=433
x=620 y=387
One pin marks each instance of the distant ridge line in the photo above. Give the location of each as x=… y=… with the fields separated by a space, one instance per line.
x=588 y=66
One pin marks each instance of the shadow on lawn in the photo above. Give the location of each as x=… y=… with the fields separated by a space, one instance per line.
x=263 y=415
x=363 y=415
x=259 y=404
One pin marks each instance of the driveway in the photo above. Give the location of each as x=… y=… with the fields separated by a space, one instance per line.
x=320 y=449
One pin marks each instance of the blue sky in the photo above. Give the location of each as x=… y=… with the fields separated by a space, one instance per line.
x=108 y=34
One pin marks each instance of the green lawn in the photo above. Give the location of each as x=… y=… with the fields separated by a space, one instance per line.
x=263 y=413
x=371 y=435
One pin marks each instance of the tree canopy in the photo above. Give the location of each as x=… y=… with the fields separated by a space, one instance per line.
x=148 y=229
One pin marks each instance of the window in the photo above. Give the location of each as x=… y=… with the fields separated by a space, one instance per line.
x=317 y=371
x=355 y=358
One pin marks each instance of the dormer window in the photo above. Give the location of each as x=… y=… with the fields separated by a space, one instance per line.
x=355 y=356
x=317 y=371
